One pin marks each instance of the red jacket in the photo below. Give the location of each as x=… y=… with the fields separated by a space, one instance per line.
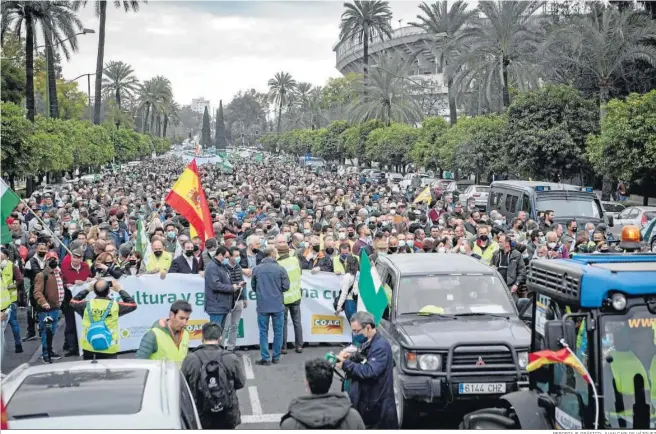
x=70 y=275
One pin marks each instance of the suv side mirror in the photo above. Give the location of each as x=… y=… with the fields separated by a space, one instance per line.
x=611 y=221
x=555 y=330
x=522 y=303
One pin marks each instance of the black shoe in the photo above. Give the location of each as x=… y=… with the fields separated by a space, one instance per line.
x=46 y=359
x=299 y=349
x=29 y=337
x=71 y=353
x=283 y=351
x=19 y=349
x=275 y=361
x=55 y=356
x=263 y=362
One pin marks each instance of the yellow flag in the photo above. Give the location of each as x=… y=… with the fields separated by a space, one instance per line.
x=424 y=196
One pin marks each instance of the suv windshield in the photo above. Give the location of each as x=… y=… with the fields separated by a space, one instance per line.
x=454 y=294
x=629 y=352
x=570 y=206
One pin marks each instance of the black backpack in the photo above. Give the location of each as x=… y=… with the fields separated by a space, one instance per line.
x=215 y=386
x=336 y=299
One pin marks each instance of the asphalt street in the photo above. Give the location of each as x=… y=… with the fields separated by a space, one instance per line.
x=264 y=399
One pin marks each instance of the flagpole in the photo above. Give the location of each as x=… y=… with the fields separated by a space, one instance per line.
x=47 y=227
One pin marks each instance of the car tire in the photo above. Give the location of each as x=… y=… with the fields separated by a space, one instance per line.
x=653 y=245
x=407 y=416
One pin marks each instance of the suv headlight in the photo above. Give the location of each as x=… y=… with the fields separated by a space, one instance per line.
x=522 y=359
x=429 y=362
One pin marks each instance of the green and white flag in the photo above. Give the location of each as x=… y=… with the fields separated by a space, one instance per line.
x=142 y=239
x=7 y=205
x=372 y=296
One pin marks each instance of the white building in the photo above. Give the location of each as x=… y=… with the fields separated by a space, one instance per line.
x=198 y=105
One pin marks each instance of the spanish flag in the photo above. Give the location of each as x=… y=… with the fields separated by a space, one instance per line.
x=188 y=198
x=424 y=196
x=546 y=357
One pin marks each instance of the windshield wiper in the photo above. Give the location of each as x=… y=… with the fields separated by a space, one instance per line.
x=440 y=315
x=30 y=416
x=496 y=315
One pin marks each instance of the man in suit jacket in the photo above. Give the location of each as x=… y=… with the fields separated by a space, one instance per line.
x=186 y=263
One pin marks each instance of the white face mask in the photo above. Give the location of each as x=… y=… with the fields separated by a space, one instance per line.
x=551 y=245
x=341 y=236
x=3 y=264
x=392 y=212
x=401 y=243
x=17 y=242
x=462 y=249
x=441 y=250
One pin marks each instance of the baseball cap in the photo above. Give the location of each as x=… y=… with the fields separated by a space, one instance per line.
x=52 y=255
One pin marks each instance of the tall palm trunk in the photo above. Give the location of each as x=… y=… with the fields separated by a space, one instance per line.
x=145 y=119
x=504 y=78
x=607 y=180
x=159 y=125
x=151 y=127
x=118 y=104
x=279 y=113
x=99 y=61
x=365 y=58
x=453 y=112
x=166 y=122
x=52 y=79
x=29 y=64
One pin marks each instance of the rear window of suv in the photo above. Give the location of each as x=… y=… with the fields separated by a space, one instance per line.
x=78 y=393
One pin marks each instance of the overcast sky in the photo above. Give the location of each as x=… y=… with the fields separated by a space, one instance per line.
x=214 y=49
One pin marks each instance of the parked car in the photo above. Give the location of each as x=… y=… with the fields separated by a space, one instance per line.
x=108 y=394
x=407 y=179
x=648 y=234
x=633 y=215
x=479 y=193
x=457 y=338
x=613 y=208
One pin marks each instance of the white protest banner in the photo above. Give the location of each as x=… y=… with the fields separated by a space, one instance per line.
x=154 y=297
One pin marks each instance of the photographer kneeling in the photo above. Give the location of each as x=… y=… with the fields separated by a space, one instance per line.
x=370 y=372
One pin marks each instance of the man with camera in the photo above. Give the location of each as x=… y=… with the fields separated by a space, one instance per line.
x=49 y=294
x=100 y=339
x=370 y=372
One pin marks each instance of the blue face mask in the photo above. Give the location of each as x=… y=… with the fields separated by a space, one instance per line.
x=344 y=256
x=359 y=339
x=226 y=261
x=171 y=234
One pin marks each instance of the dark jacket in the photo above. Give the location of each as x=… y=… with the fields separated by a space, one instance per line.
x=180 y=265
x=236 y=276
x=516 y=272
x=372 y=387
x=191 y=369
x=269 y=281
x=323 y=261
x=125 y=306
x=332 y=410
x=244 y=257
x=46 y=291
x=119 y=237
x=218 y=289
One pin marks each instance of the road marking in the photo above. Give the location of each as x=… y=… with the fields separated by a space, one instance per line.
x=256 y=406
x=248 y=367
x=262 y=418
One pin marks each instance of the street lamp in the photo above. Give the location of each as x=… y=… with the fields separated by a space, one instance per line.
x=88 y=75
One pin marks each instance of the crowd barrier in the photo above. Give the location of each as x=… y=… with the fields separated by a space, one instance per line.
x=154 y=297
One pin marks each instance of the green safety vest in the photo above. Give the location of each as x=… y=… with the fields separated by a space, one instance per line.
x=8 y=280
x=486 y=257
x=293 y=268
x=98 y=307
x=163 y=262
x=5 y=295
x=166 y=348
x=338 y=267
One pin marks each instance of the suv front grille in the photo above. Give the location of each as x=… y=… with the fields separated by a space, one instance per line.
x=482 y=361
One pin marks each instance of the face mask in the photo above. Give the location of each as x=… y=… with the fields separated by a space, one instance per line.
x=462 y=249
x=330 y=250
x=441 y=250
x=551 y=245
x=42 y=254
x=3 y=264
x=53 y=263
x=57 y=233
x=483 y=238
x=46 y=221
x=133 y=262
x=359 y=339
x=316 y=248
x=31 y=242
x=196 y=248
x=543 y=240
x=402 y=243
x=351 y=234
x=341 y=236
x=525 y=255
x=372 y=226
x=171 y=234
x=212 y=252
x=225 y=261
x=158 y=253
x=287 y=236
x=301 y=244
x=441 y=222
x=394 y=249
x=189 y=253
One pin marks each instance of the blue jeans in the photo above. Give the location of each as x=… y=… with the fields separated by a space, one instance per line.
x=13 y=323
x=220 y=319
x=350 y=307
x=263 y=325
x=54 y=314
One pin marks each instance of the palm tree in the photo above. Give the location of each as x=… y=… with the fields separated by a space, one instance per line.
x=364 y=21
x=281 y=88
x=500 y=47
x=101 y=11
x=153 y=95
x=390 y=95
x=171 y=110
x=600 y=48
x=59 y=25
x=119 y=81
x=445 y=26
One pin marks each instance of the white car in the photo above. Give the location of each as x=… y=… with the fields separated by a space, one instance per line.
x=634 y=215
x=108 y=394
x=407 y=179
x=478 y=192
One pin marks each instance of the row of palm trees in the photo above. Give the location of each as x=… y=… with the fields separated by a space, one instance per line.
x=301 y=102
x=502 y=45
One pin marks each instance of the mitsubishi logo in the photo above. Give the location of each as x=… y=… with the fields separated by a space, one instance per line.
x=480 y=362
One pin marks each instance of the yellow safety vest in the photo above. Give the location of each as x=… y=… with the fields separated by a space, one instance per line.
x=98 y=307
x=5 y=295
x=625 y=366
x=293 y=268
x=486 y=257
x=8 y=280
x=166 y=348
x=338 y=267
x=163 y=262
